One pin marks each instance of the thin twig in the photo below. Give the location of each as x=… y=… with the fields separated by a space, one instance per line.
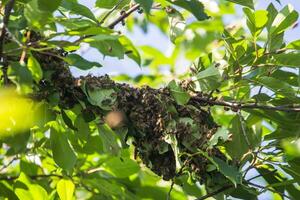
x=226 y=187
x=270 y=189
x=238 y=106
x=171 y=188
x=11 y=178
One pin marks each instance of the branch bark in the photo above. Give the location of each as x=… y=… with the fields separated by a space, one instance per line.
x=124 y=16
x=7 y=11
x=238 y=106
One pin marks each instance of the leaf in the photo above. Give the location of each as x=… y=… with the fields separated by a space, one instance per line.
x=209 y=79
x=121 y=167
x=35 y=68
x=279 y=87
x=229 y=171
x=49 y=6
x=67 y=120
x=104 y=98
x=63 y=154
x=238 y=140
x=81 y=63
x=36 y=18
x=177 y=25
x=180 y=96
x=78 y=9
x=256 y=21
x=109 y=4
x=112 y=48
x=294 y=45
x=247 y=3
x=130 y=50
x=111 y=142
x=146 y=4
x=291 y=59
x=284 y=19
x=65 y=189
x=193 y=6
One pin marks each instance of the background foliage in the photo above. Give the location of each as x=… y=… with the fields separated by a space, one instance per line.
x=60 y=140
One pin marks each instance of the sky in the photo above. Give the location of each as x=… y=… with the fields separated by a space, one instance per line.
x=114 y=66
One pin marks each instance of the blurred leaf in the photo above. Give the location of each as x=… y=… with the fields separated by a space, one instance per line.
x=81 y=63
x=177 y=25
x=110 y=141
x=65 y=189
x=146 y=4
x=48 y=6
x=288 y=59
x=193 y=6
x=130 y=50
x=35 y=68
x=109 y=4
x=247 y=3
x=228 y=171
x=62 y=152
x=78 y=9
x=284 y=19
x=294 y=45
x=178 y=93
x=256 y=21
x=36 y=18
x=121 y=167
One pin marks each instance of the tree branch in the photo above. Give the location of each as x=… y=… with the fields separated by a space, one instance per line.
x=226 y=187
x=124 y=16
x=7 y=11
x=11 y=178
x=238 y=106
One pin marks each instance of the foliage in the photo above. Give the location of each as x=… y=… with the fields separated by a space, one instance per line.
x=226 y=127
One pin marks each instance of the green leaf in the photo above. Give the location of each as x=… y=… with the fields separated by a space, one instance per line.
x=78 y=9
x=109 y=4
x=35 y=68
x=229 y=171
x=65 y=189
x=256 y=21
x=294 y=45
x=121 y=167
x=284 y=19
x=63 y=154
x=209 y=79
x=36 y=18
x=180 y=96
x=104 y=98
x=111 y=142
x=247 y=3
x=130 y=50
x=291 y=59
x=279 y=87
x=49 y=6
x=177 y=25
x=112 y=48
x=193 y=6
x=238 y=140
x=146 y=4
x=81 y=63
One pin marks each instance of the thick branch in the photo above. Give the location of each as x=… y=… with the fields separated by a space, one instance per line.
x=239 y=106
x=8 y=8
